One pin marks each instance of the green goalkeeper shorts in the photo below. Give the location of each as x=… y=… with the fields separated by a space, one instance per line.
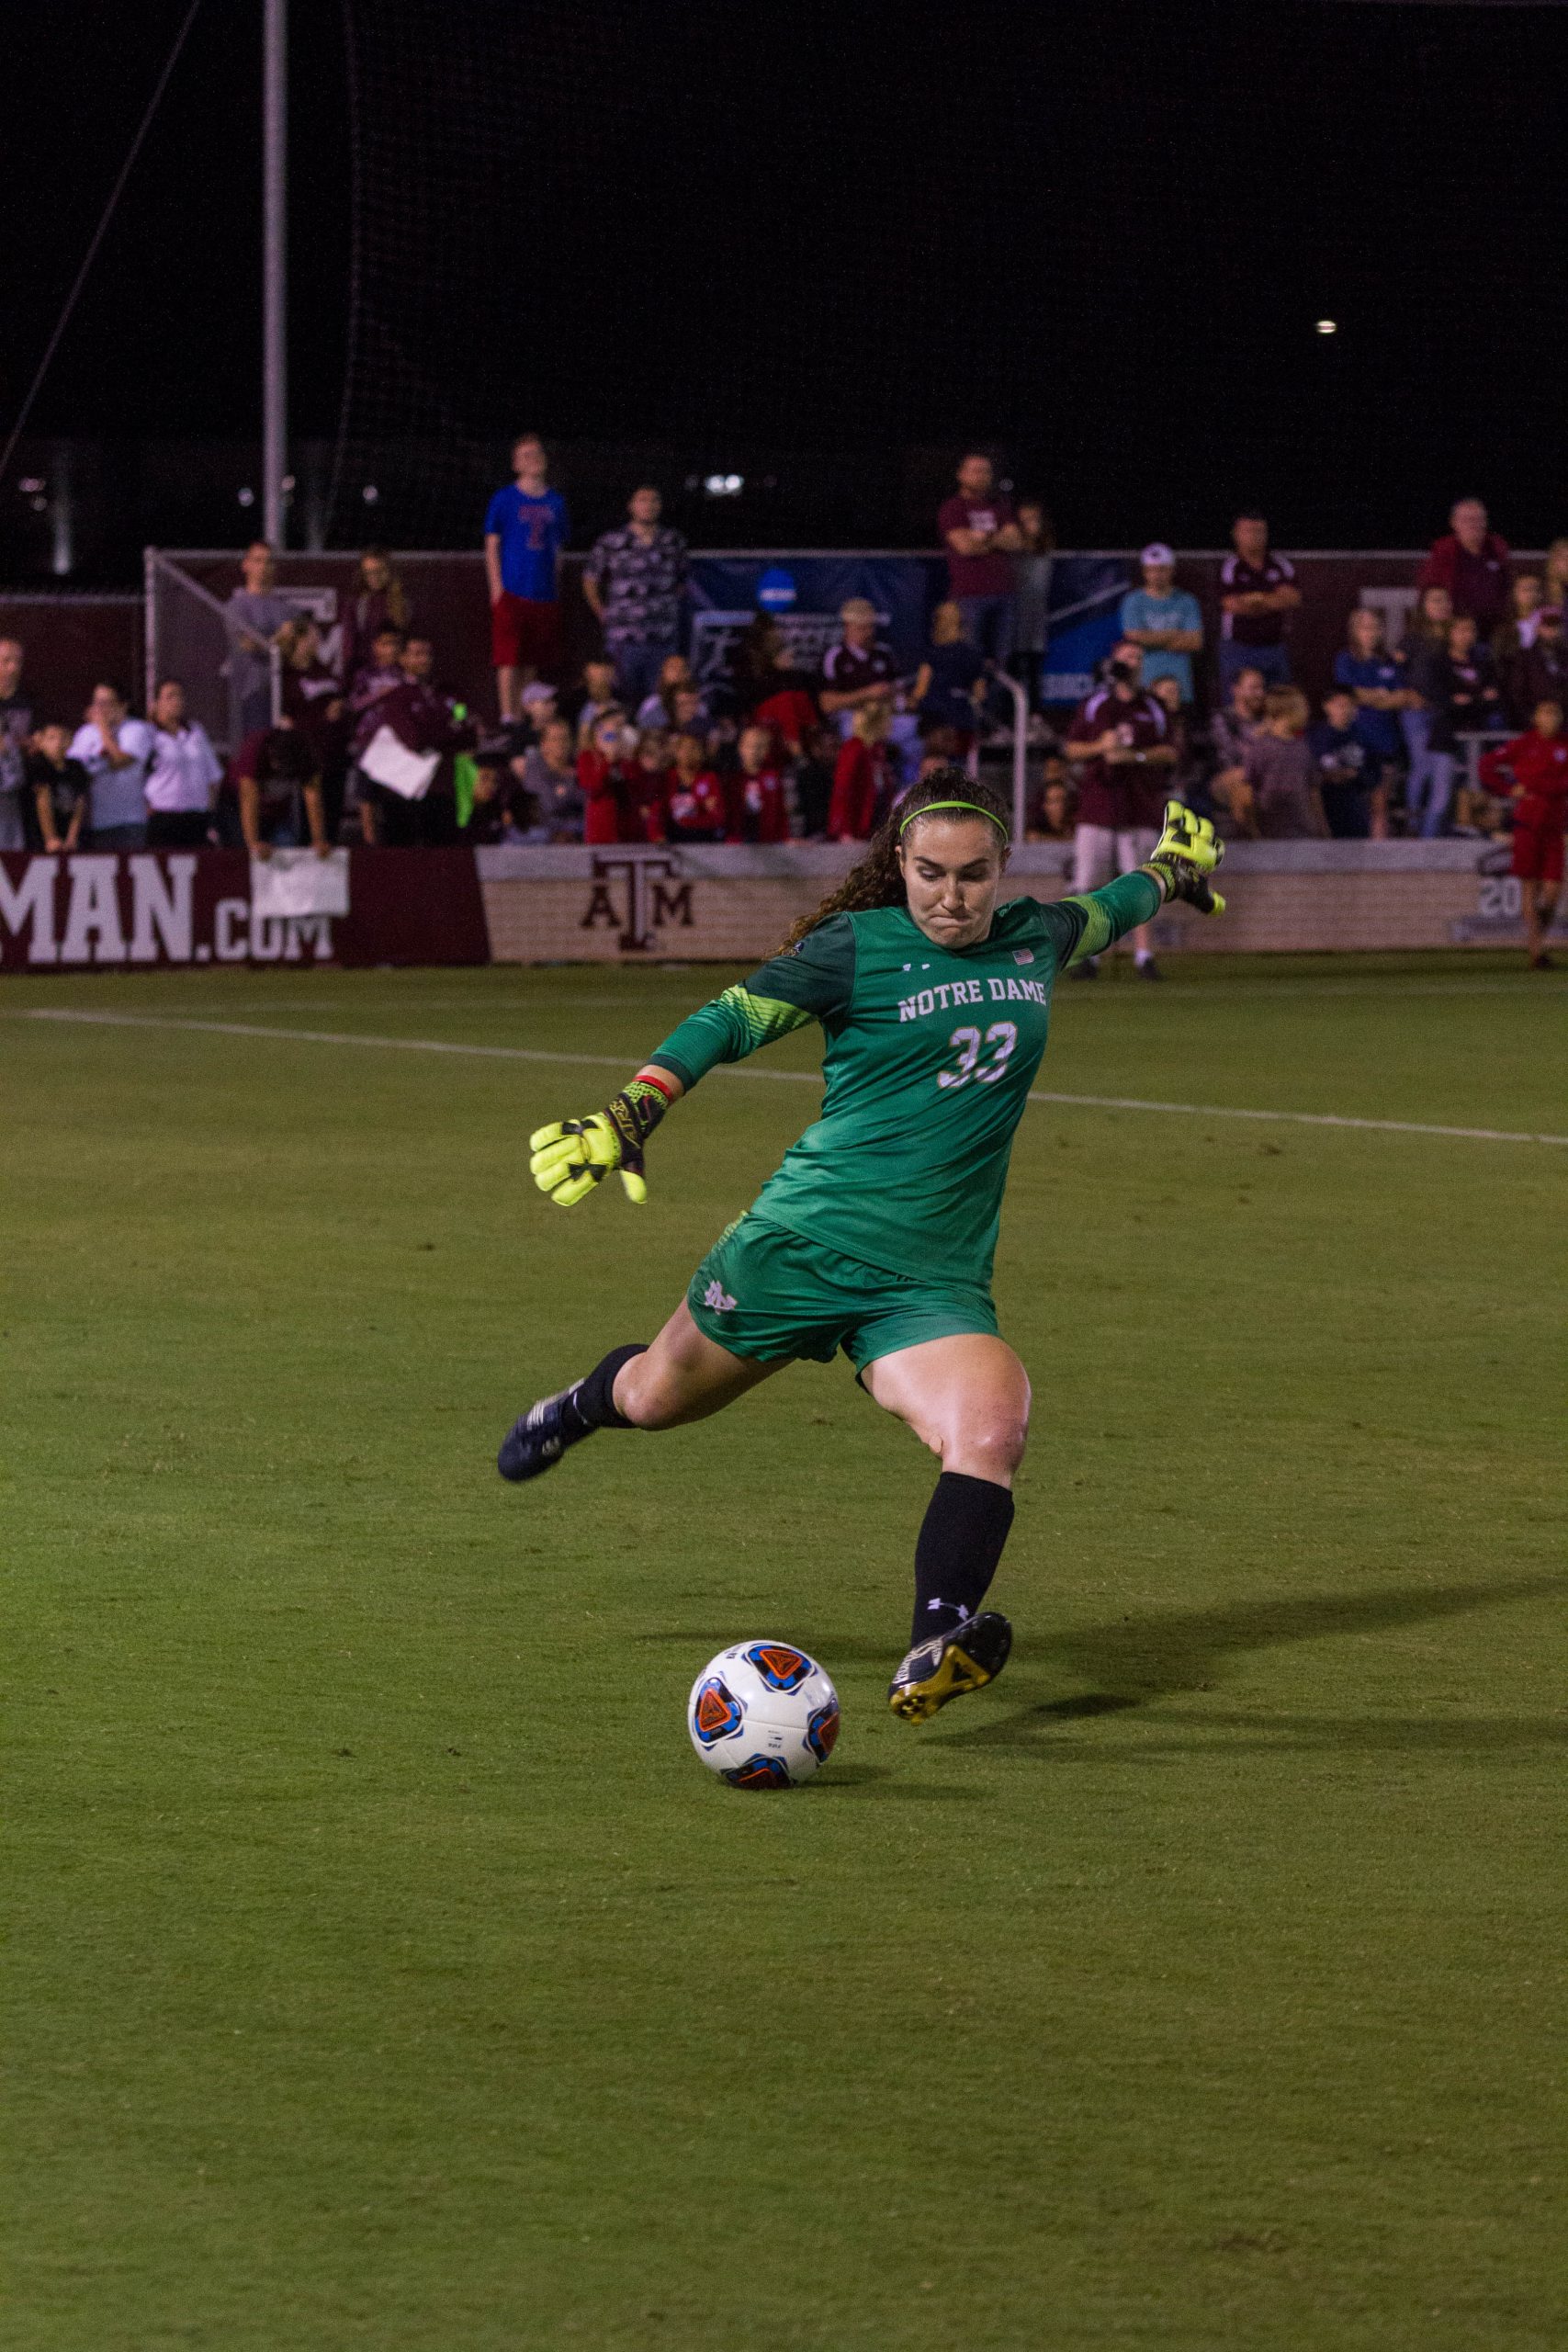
x=765 y=1292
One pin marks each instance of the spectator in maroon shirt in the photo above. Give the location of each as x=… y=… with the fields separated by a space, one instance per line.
x=857 y=671
x=1120 y=748
x=1258 y=595
x=423 y=720
x=1472 y=563
x=277 y=786
x=980 y=533
x=378 y=600
x=366 y=686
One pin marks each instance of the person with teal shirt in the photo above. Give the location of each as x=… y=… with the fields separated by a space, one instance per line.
x=1163 y=619
x=877 y=1234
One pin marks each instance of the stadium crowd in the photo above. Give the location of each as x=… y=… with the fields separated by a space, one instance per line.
x=633 y=749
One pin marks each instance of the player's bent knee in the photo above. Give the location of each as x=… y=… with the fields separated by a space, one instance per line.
x=988 y=1450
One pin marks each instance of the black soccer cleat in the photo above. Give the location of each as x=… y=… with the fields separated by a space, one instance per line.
x=970 y=1654
x=536 y=1441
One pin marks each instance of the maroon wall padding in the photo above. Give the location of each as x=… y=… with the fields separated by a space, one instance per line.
x=151 y=909
x=412 y=906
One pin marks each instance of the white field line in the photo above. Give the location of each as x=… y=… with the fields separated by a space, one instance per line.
x=789 y=1077
x=1262 y=992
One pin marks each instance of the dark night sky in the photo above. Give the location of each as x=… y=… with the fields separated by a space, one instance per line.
x=1098 y=237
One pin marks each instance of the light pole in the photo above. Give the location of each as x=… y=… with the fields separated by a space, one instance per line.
x=274 y=266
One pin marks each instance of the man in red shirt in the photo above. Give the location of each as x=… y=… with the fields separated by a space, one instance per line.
x=1472 y=563
x=1121 y=755
x=981 y=536
x=1533 y=772
x=1258 y=594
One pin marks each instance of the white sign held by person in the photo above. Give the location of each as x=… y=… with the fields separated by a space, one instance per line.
x=297 y=882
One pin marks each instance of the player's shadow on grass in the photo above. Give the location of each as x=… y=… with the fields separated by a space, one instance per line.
x=1135 y=1660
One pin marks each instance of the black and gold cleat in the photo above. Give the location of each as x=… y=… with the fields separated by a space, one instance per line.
x=965 y=1659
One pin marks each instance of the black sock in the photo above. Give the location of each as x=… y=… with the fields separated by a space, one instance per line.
x=591 y=1404
x=960 y=1541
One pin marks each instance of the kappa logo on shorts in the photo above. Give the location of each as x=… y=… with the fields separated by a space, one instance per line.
x=717 y=1297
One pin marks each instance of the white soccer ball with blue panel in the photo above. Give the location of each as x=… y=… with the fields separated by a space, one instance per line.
x=763 y=1715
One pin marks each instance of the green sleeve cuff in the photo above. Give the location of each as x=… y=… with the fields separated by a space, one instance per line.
x=1132 y=898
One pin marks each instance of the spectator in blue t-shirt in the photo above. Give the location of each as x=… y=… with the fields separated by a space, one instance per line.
x=525 y=528
x=1365 y=668
x=1163 y=619
x=1346 y=770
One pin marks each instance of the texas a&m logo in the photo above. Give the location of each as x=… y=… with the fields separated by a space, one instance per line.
x=637 y=894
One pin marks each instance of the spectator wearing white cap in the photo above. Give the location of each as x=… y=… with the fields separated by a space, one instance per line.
x=1163 y=620
x=857 y=670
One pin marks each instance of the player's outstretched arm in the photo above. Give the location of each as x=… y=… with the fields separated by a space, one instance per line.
x=572 y=1156
x=1185 y=856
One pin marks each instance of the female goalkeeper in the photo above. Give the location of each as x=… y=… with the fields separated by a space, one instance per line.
x=877 y=1233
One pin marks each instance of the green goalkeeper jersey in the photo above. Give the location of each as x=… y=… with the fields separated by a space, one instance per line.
x=931 y=1052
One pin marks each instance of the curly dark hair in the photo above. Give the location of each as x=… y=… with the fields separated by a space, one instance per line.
x=878 y=879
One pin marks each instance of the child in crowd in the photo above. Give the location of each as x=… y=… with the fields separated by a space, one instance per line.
x=1533 y=770
x=658 y=709
x=1279 y=781
x=547 y=775
x=612 y=814
x=371 y=687
x=759 y=801
x=649 y=775
x=814 y=780
x=597 y=699
x=1347 y=772
x=864 y=775
x=60 y=786
x=694 y=797
x=688 y=713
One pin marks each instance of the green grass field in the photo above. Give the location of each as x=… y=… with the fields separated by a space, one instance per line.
x=384 y=1970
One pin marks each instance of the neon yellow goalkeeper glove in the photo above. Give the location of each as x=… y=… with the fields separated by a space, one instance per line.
x=1185 y=856
x=573 y=1155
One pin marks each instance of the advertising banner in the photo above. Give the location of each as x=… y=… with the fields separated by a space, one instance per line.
x=141 y=908
x=803 y=594
x=1083 y=622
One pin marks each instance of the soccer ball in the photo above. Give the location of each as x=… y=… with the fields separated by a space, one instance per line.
x=762 y=1715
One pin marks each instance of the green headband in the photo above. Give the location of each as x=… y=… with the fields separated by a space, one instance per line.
x=933 y=806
